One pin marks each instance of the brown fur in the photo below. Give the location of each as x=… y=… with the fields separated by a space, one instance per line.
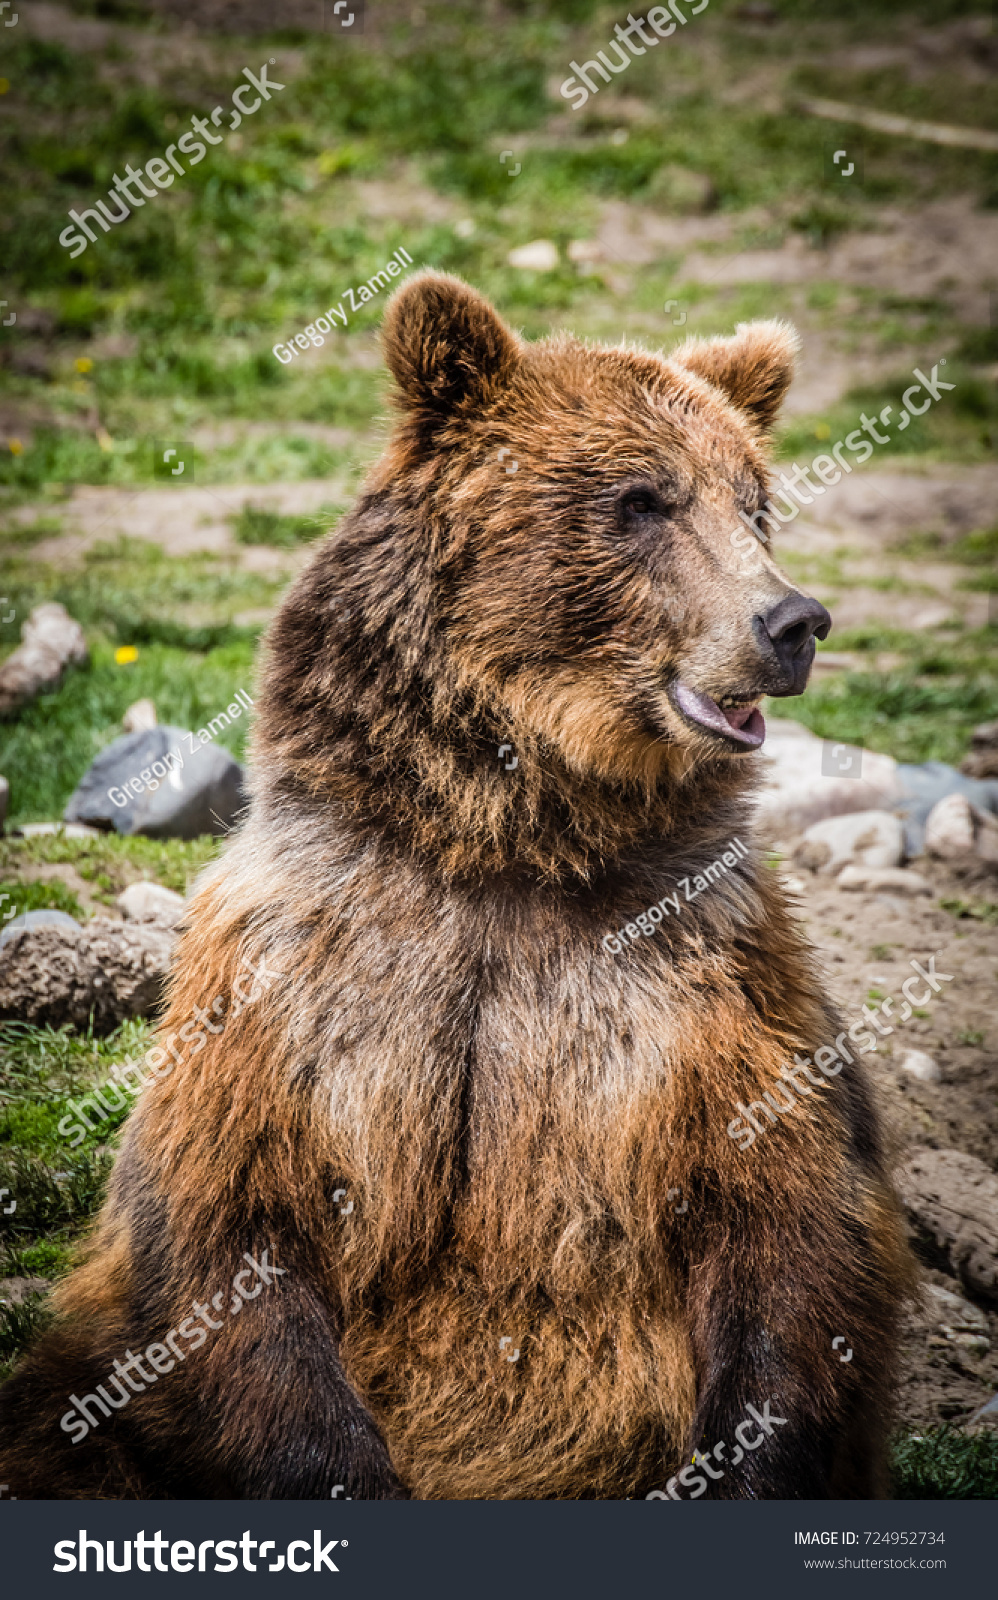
x=506 y=1104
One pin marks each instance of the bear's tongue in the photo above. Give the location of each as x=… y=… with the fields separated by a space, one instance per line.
x=744 y=723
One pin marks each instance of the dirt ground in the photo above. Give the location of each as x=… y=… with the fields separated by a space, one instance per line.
x=866 y=941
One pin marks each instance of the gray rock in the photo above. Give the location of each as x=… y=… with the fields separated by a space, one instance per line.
x=150 y=902
x=50 y=640
x=860 y=838
x=105 y=970
x=37 y=919
x=922 y=786
x=921 y=1066
x=181 y=792
x=4 y=800
x=952 y=1203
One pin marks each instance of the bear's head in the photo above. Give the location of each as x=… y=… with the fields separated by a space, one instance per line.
x=549 y=563
x=592 y=505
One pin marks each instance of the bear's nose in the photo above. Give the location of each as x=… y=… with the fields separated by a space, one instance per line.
x=788 y=629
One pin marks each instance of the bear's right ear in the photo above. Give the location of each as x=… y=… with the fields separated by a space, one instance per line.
x=444 y=344
x=754 y=369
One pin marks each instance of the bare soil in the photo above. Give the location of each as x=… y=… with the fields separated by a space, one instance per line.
x=867 y=941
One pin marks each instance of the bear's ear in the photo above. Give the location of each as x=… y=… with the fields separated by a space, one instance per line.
x=754 y=368
x=444 y=344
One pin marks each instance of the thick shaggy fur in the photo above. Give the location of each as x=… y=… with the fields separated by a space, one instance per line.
x=506 y=1105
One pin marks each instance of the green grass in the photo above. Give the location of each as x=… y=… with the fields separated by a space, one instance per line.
x=258 y=525
x=110 y=862
x=944 y=1464
x=924 y=710
x=39 y=894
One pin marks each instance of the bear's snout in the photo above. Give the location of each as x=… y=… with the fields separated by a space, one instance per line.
x=787 y=633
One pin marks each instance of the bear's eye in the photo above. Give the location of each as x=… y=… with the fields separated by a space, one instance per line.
x=641 y=502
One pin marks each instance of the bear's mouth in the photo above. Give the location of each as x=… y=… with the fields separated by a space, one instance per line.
x=739 y=721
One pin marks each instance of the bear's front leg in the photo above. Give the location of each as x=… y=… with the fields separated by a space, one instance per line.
x=781 y=1413
x=282 y=1421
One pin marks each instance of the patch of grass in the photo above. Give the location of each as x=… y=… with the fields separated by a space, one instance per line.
x=47 y=1199
x=976 y=549
x=970 y=1036
x=977 y=910
x=922 y=711
x=40 y=1066
x=38 y=894
x=20 y=1326
x=112 y=861
x=945 y=1464
x=258 y=525
x=55 y=738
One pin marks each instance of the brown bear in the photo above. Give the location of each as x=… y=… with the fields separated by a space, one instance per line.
x=447 y=1204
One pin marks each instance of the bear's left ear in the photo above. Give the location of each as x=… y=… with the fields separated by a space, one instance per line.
x=444 y=344
x=754 y=368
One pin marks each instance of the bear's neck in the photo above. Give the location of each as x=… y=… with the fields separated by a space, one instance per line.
x=362 y=723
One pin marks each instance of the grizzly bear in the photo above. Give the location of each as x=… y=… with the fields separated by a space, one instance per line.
x=447 y=1205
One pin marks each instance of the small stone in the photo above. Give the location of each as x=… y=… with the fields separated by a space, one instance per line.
x=151 y=902
x=794 y=885
x=50 y=641
x=861 y=838
x=538 y=256
x=899 y=879
x=4 y=800
x=921 y=1066
x=949 y=828
x=585 y=250
x=66 y=830
x=140 y=717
